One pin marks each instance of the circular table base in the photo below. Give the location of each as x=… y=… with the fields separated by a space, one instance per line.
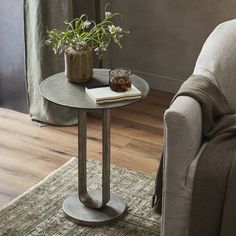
x=80 y=214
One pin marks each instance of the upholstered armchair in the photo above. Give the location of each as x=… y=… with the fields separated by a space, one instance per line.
x=183 y=129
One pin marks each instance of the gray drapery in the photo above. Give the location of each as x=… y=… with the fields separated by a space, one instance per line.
x=41 y=61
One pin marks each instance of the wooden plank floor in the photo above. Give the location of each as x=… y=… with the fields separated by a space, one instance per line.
x=28 y=153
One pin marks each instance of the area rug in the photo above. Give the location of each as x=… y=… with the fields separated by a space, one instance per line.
x=39 y=210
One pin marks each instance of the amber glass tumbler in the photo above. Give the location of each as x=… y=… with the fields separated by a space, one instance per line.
x=120 y=80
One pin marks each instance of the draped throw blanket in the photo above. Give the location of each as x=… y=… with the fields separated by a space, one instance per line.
x=41 y=62
x=213 y=209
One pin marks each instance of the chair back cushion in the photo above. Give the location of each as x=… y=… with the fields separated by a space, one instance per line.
x=217 y=59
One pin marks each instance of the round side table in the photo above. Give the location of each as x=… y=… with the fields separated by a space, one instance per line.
x=91 y=207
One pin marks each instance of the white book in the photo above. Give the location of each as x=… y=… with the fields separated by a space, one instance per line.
x=105 y=94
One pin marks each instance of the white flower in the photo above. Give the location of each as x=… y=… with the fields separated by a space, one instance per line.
x=112 y=29
x=107 y=14
x=120 y=36
x=54 y=50
x=115 y=39
x=47 y=42
x=86 y=24
x=102 y=48
x=119 y=29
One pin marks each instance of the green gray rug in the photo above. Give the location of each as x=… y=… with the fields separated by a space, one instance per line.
x=39 y=211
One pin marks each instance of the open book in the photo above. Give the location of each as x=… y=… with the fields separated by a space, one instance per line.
x=105 y=94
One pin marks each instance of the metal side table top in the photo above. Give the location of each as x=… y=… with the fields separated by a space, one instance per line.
x=90 y=207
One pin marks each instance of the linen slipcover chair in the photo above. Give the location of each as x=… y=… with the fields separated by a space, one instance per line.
x=183 y=128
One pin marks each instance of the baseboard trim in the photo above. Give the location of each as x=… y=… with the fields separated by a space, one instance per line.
x=160 y=82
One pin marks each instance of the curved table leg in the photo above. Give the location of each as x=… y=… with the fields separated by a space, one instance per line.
x=94 y=207
x=84 y=197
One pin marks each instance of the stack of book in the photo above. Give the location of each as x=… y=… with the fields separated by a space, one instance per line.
x=105 y=94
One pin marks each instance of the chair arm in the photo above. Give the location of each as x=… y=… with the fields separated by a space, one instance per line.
x=182 y=140
x=182 y=136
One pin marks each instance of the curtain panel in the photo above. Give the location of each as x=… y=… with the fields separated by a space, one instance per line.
x=41 y=62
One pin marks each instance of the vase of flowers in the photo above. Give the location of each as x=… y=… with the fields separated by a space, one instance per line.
x=81 y=38
x=79 y=64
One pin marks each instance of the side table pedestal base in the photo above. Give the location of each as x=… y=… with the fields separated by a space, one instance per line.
x=80 y=214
